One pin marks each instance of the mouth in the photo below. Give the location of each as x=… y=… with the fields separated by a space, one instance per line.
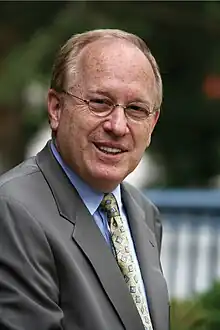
x=109 y=150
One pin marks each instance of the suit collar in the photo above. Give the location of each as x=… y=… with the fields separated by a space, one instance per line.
x=61 y=188
x=89 y=238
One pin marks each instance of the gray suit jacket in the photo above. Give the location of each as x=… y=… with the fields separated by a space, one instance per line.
x=56 y=269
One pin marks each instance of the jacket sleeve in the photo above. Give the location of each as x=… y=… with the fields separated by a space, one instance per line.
x=28 y=281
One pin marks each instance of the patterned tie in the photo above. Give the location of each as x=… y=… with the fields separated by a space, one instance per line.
x=124 y=257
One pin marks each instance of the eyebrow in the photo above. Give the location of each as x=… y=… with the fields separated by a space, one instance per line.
x=99 y=91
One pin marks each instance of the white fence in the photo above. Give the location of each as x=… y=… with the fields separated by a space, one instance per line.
x=191 y=239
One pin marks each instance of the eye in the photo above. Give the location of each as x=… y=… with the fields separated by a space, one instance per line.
x=100 y=104
x=98 y=101
x=138 y=110
x=136 y=107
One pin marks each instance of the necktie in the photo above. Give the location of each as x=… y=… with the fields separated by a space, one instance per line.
x=123 y=255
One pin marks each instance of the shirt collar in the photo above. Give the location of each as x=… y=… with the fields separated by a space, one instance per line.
x=90 y=197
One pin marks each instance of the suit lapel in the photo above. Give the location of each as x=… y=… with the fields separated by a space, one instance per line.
x=89 y=238
x=147 y=254
x=85 y=234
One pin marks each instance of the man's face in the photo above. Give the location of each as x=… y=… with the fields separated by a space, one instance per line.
x=103 y=151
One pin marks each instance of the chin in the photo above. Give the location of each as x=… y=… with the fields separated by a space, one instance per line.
x=107 y=182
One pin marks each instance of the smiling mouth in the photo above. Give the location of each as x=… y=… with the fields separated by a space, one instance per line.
x=109 y=150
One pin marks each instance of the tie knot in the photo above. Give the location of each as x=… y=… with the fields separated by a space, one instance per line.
x=109 y=205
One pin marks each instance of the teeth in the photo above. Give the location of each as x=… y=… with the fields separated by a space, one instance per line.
x=110 y=150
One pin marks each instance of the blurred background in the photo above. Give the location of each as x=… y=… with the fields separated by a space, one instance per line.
x=181 y=170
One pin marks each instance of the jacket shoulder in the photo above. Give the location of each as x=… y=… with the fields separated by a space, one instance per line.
x=12 y=179
x=141 y=199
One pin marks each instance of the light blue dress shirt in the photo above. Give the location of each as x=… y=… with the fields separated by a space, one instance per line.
x=92 y=200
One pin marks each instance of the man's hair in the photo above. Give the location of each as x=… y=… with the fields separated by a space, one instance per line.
x=66 y=60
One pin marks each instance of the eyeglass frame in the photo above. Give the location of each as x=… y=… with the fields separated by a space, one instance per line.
x=112 y=107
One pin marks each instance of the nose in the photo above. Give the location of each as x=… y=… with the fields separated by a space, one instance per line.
x=116 y=122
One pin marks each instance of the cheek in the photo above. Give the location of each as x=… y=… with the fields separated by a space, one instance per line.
x=75 y=129
x=67 y=123
x=143 y=137
x=66 y=130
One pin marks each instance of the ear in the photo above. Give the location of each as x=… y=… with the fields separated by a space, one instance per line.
x=54 y=107
x=155 y=118
x=153 y=122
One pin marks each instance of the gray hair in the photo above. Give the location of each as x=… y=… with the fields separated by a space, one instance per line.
x=66 y=59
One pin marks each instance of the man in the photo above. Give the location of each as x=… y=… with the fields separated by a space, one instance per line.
x=79 y=248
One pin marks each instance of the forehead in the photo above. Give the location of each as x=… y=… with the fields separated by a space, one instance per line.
x=116 y=64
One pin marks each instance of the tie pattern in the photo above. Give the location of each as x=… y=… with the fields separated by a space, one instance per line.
x=123 y=255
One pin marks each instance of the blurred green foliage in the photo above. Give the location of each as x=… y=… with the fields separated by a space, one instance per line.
x=187 y=315
x=184 y=38
x=199 y=313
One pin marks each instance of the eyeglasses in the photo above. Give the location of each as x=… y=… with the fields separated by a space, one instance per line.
x=102 y=107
